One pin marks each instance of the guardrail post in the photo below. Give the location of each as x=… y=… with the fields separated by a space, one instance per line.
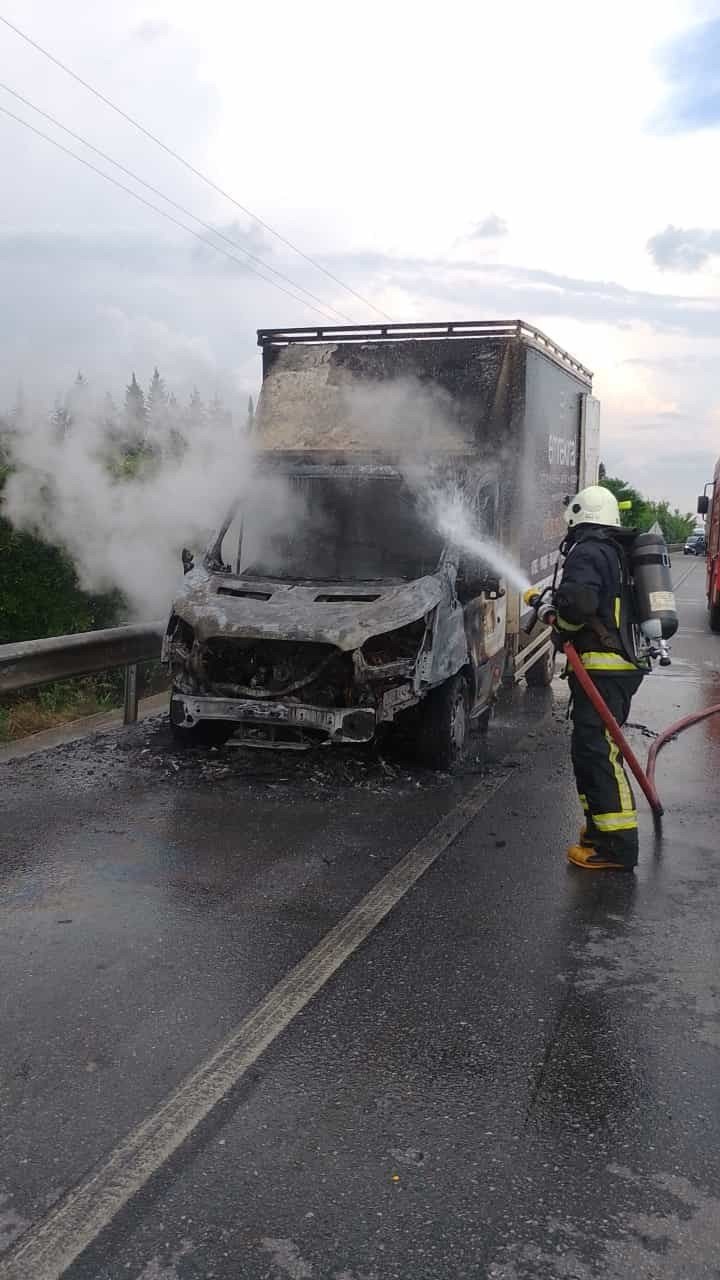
x=130 y=702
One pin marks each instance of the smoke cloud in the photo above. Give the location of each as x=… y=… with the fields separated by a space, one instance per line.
x=124 y=491
x=124 y=511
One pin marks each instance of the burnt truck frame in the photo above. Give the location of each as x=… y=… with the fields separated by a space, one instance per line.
x=391 y=627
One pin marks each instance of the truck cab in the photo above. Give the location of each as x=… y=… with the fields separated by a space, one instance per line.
x=328 y=607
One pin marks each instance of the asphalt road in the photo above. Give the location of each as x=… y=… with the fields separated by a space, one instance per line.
x=332 y=1018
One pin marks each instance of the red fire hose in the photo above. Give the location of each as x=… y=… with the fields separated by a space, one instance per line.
x=670 y=732
x=645 y=778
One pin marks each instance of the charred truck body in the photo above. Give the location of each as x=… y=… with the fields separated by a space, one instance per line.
x=331 y=602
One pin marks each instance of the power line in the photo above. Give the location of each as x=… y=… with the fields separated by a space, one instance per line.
x=163 y=212
x=186 y=163
x=181 y=208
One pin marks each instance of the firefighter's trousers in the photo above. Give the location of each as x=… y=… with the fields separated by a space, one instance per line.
x=603 y=787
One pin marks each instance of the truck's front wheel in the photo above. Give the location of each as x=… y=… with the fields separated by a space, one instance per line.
x=715 y=616
x=444 y=724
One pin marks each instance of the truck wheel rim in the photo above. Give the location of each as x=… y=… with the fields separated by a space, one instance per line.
x=459 y=724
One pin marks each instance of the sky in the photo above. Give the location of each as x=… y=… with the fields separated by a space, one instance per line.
x=469 y=160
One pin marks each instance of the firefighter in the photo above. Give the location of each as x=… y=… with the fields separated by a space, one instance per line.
x=593 y=607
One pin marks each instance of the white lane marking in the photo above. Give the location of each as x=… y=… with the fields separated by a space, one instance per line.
x=685 y=576
x=47 y=1250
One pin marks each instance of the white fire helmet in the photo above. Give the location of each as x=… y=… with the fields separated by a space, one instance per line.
x=594 y=505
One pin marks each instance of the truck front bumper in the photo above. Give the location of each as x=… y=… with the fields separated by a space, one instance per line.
x=337 y=724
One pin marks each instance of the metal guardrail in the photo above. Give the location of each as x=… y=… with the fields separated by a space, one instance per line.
x=35 y=662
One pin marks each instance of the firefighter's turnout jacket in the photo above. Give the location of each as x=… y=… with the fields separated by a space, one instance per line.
x=594 y=602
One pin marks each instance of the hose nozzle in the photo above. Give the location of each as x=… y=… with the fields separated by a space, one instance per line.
x=541 y=604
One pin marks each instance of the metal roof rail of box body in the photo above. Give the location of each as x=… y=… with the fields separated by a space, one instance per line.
x=417 y=332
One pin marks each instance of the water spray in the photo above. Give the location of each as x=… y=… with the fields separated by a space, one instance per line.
x=453 y=520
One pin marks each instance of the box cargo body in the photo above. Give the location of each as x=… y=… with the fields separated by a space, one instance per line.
x=362 y=425
x=510 y=400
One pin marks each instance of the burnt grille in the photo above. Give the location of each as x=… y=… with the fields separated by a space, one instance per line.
x=273 y=668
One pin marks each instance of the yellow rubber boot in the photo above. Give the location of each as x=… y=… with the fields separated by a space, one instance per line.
x=583 y=855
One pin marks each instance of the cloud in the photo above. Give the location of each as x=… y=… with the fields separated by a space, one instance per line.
x=683 y=248
x=232 y=238
x=152 y=29
x=491 y=227
x=504 y=289
x=677 y=477
x=684 y=364
x=690 y=64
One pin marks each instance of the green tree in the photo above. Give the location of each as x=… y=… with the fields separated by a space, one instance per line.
x=135 y=408
x=77 y=398
x=136 y=451
x=637 y=514
x=196 y=409
x=61 y=421
x=157 y=396
x=643 y=513
x=674 y=525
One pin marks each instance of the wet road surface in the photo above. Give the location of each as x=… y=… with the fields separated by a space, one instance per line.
x=513 y=1075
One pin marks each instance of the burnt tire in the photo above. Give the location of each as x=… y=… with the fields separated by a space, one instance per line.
x=445 y=725
x=540 y=674
x=715 y=617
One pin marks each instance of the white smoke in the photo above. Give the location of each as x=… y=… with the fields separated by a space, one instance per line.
x=124 y=526
x=424 y=426
x=125 y=531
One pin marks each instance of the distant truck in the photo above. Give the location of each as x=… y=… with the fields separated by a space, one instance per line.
x=709 y=506
x=330 y=607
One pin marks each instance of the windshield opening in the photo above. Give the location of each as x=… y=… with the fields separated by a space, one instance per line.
x=351 y=527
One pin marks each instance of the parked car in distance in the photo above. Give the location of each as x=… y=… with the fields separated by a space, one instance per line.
x=695 y=545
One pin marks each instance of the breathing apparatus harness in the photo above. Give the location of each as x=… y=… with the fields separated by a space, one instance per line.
x=646 y=592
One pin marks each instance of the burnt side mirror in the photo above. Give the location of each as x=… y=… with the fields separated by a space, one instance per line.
x=474 y=580
x=703 y=505
x=188 y=560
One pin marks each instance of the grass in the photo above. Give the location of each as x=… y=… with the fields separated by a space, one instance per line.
x=22 y=714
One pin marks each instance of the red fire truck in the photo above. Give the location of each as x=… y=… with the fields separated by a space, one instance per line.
x=709 y=506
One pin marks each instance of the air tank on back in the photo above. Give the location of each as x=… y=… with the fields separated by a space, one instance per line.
x=656 y=614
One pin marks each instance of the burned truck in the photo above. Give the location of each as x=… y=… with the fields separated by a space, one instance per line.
x=335 y=601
